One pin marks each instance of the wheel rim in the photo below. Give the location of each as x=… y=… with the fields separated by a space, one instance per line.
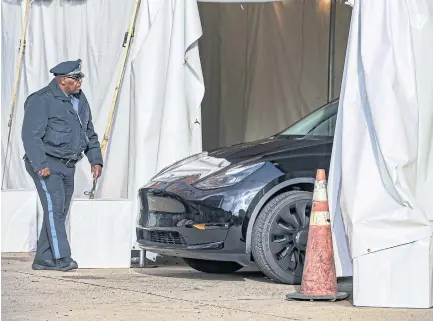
x=289 y=235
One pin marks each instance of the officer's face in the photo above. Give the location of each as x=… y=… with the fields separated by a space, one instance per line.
x=71 y=85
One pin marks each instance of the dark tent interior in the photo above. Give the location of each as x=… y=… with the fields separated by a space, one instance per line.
x=265 y=65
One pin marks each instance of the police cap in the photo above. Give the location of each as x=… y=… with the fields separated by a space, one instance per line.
x=68 y=69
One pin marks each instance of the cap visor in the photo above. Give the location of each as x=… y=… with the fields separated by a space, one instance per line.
x=75 y=76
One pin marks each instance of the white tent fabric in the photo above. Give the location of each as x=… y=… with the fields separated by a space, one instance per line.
x=50 y=41
x=154 y=93
x=382 y=165
x=166 y=121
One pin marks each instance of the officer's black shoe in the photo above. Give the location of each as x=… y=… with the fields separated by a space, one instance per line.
x=66 y=264
x=43 y=265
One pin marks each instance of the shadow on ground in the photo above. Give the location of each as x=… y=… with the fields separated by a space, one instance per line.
x=196 y=275
x=248 y=273
x=163 y=267
x=16 y=257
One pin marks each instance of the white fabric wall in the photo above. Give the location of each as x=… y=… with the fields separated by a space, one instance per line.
x=382 y=164
x=158 y=102
x=168 y=88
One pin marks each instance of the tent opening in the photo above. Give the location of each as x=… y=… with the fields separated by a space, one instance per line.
x=265 y=65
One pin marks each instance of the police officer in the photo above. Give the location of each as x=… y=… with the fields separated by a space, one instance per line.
x=57 y=129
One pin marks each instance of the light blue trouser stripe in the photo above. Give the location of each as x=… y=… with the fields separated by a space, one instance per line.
x=51 y=219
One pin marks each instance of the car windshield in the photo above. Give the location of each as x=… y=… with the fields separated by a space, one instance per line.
x=319 y=123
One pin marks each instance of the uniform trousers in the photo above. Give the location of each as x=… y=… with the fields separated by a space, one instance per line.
x=55 y=192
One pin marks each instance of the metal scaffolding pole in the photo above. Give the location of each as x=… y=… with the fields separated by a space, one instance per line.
x=16 y=84
x=331 y=50
x=127 y=44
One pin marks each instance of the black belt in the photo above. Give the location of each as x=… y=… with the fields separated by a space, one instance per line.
x=67 y=162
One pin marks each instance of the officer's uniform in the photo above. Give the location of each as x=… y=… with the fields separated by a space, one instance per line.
x=56 y=130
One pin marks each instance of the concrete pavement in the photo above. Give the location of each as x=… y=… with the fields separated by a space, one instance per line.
x=168 y=292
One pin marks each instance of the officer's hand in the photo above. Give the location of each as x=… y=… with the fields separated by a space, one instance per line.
x=44 y=172
x=96 y=171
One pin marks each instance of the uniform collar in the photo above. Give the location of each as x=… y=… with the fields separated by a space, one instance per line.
x=57 y=92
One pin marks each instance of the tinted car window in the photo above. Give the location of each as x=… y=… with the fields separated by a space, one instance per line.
x=325 y=128
x=319 y=123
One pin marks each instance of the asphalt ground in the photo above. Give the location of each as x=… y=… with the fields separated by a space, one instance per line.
x=169 y=291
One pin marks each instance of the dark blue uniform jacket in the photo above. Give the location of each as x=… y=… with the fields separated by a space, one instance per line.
x=51 y=126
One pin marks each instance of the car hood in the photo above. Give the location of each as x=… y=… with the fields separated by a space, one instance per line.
x=204 y=164
x=269 y=147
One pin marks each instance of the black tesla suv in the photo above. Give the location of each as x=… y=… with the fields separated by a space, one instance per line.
x=223 y=209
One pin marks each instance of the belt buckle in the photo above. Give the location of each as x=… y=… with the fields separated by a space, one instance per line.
x=67 y=163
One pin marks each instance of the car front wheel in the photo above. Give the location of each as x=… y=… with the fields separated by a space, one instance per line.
x=280 y=235
x=208 y=266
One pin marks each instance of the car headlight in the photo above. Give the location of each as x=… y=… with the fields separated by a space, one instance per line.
x=179 y=163
x=231 y=176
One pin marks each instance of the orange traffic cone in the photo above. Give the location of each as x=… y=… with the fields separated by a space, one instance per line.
x=319 y=279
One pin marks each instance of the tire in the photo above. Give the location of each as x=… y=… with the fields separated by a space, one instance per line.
x=280 y=236
x=208 y=266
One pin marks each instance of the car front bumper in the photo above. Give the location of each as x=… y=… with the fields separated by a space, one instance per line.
x=202 y=254
x=219 y=242
x=178 y=220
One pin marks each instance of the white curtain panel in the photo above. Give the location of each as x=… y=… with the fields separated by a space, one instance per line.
x=382 y=164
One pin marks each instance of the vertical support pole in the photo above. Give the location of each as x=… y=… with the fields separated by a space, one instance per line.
x=331 y=50
x=127 y=44
x=142 y=262
x=16 y=84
